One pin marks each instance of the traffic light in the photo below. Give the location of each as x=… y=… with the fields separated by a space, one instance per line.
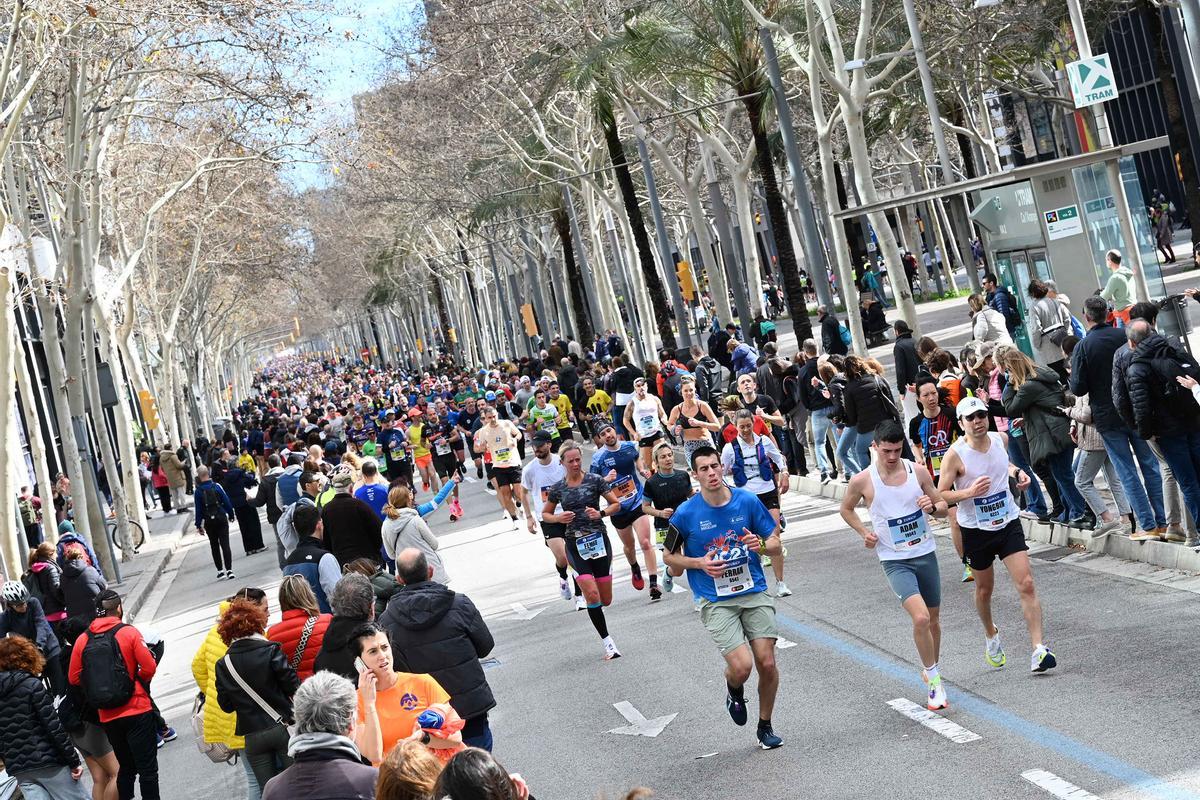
x=683 y=273
x=149 y=409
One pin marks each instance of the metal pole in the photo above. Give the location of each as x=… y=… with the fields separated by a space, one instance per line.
x=639 y=326
x=814 y=251
x=939 y=139
x=558 y=280
x=585 y=267
x=728 y=248
x=1112 y=167
x=664 y=247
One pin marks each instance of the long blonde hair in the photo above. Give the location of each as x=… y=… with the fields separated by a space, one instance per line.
x=1020 y=367
x=399 y=497
x=296 y=594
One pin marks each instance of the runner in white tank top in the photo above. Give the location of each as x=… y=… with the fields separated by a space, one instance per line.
x=644 y=420
x=975 y=474
x=898 y=495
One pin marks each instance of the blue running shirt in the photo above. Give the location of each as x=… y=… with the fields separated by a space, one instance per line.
x=707 y=529
x=628 y=484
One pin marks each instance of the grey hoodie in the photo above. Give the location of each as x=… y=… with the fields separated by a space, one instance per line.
x=410 y=530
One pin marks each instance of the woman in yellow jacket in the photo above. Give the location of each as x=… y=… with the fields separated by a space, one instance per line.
x=218 y=725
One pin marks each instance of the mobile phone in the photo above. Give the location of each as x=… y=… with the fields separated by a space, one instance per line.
x=673 y=540
x=359 y=665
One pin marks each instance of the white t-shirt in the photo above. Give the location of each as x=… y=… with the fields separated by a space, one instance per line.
x=537 y=478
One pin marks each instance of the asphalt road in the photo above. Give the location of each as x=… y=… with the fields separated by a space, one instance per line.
x=1115 y=719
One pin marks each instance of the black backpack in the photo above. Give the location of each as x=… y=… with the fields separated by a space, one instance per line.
x=213 y=511
x=1176 y=398
x=708 y=384
x=106 y=680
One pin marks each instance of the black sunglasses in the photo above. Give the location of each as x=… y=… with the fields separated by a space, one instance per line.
x=975 y=416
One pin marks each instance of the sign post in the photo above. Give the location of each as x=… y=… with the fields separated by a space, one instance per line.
x=1092 y=81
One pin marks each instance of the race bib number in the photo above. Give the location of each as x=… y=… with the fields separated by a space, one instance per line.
x=442 y=448
x=591 y=546
x=647 y=424
x=625 y=488
x=735 y=579
x=935 y=460
x=909 y=530
x=501 y=454
x=548 y=426
x=398 y=454
x=991 y=511
x=545 y=494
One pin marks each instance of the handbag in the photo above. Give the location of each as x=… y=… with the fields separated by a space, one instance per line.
x=217 y=752
x=298 y=656
x=275 y=716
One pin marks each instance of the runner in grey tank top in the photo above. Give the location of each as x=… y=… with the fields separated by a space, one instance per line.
x=975 y=475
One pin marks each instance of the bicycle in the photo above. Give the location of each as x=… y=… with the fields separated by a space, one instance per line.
x=136 y=534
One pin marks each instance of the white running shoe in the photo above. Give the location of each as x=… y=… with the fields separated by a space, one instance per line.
x=937 y=695
x=994 y=652
x=580 y=603
x=564 y=588
x=782 y=590
x=610 y=649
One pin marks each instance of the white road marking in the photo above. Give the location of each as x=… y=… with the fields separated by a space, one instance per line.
x=638 y=724
x=935 y=722
x=1056 y=785
x=521 y=612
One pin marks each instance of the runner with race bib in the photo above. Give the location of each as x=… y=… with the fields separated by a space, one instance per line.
x=719 y=536
x=975 y=475
x=931 y=432
x=537 y=478
x=646 y=418
x=620 y=463
x=663 y=492
x=898 y=494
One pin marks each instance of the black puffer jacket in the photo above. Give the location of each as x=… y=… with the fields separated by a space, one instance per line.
x=31 y=734
x=437 y=631
x=335 y=655
x=868 y=401
x=1047 y=430
x=1153 y=367
x=262 y=665
x=81 y=585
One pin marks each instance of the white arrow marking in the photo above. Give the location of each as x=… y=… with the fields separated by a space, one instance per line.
x=638 y=724
x=935 y=722
x=1056 y=785
x=521 y=612
x=783 y=644
x=676 y=588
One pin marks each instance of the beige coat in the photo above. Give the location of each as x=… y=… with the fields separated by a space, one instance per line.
x=172 y=468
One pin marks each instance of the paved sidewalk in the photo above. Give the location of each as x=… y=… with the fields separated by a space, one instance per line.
x=140 y=574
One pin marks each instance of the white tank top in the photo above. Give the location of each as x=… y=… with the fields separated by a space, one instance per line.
x=645 y=417
x=899 y=523
x=997 y=508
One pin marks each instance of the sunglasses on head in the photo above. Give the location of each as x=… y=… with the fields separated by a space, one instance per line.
x=975 y=416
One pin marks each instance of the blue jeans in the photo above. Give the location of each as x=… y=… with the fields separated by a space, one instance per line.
x=862 y=449
x=1064 y=476
x=1035 y=501
x=1146 y=499
x=477 y=733
x=1182 y=454
x=820 y=427
x=846 y=451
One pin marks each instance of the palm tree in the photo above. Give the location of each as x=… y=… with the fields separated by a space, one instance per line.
x=716 y=41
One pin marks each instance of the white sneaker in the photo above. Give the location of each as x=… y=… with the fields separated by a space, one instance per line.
x=782 y=590
x=937 y=695
x=564 y=588
x=580 y=603
x=994 y=651
x=1042 y=659
x=610 y=649
x=230 y=575
x=1105 y=528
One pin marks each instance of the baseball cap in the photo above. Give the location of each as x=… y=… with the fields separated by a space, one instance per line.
x=602 y=427
x=969 y=405
x=342 y=479
x=490 y=397
x=540 y=438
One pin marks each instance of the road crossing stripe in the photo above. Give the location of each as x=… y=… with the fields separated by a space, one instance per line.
x=935 y=722
x=1056 y=785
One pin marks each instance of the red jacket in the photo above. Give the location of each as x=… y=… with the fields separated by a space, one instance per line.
x=138 y=661
x=287 y=633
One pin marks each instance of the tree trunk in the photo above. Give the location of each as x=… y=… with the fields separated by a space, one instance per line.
x=1178 y=135
x=654 y=284
x=562 y=226
x=793 y=289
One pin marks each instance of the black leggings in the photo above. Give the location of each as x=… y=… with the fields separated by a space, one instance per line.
x=217 y=532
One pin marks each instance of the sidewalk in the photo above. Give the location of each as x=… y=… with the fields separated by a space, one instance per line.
x=140 y=574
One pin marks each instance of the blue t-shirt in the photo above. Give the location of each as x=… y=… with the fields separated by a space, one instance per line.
x=628 y=484
x=374 y=495
x=705 y=529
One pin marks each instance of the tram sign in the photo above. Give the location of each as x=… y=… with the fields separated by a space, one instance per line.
x=1092 y=81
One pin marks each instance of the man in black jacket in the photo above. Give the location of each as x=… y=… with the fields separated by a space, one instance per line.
x=437 y=631
x=819 y=408
x=905 y=355
x=831 y=333
x=352 y=528
x=717 y=342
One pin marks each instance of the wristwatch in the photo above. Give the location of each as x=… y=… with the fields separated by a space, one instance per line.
x=425 y=738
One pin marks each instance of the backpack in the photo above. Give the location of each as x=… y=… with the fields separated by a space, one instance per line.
x=790 y=398
x=30 y=579
x=708 y=383
x=844 y=332
x=1012 y=317
x=1176 y=398
x=106 y=680
x=212 y=506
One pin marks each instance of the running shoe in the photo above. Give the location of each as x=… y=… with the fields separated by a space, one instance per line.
x=696 y=604
x=1105 y=528
x=766 y=560
x=580 y=603
x=937 y=695
x=169 y=734
x=968 y=575
x=668 y=582
x=610 y=649
x=1042 y=659
x=564 y=588
x=230 y=575
x=994 y=651
x=220 y=574
x=825 y=478
x=782 y=590
x=655 y=592
x=736 y=709
x=767 y=739
x=635 y=577
x=160 y=743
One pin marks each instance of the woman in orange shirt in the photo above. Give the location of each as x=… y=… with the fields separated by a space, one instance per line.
x=390 y=702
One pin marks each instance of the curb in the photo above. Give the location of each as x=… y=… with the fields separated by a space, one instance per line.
x=1156 y=553
x=148 y=580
